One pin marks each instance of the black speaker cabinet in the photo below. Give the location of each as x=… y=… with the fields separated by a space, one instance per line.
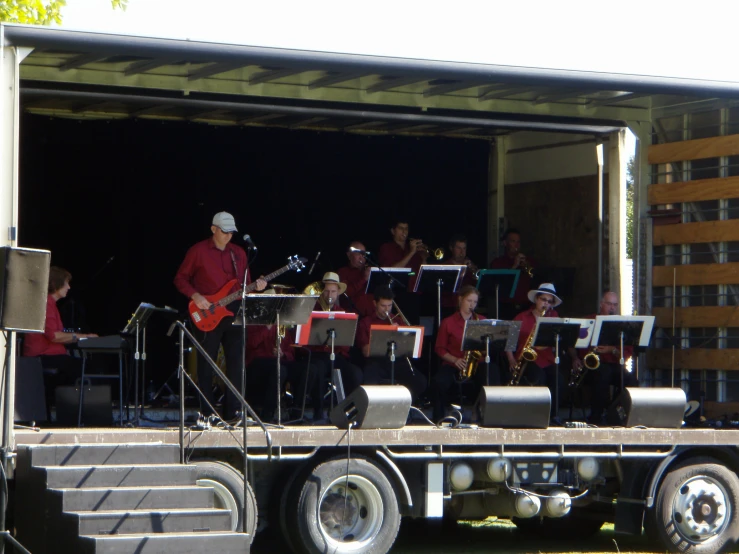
x=24 y=285
x=522 y=407
x=30 y=402
x=374 y=407
x=648 y=407
x=97 y=407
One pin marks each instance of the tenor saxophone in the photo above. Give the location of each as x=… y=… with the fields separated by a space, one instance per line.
x=528 y=354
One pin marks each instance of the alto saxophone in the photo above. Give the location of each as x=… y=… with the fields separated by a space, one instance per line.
x=528 y=354
x=471 y=361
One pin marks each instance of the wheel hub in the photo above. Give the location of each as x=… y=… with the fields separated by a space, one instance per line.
x=350 y=512
x=700 y=509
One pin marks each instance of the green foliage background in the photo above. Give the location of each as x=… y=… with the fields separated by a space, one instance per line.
x=39 y=12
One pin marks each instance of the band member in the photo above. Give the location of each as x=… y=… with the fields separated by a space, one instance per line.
x=378 y=368
x=49 y=346
x=449 y=349
x=351 y=375
x=609 y=371
x=355 y=275
x=542 y=371
x=207 y=267
x=513 y=258
x=458 y=256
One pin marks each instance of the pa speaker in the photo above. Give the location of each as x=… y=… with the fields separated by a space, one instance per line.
x=373 y=407
x=97 y=408
x=522 y=407
x=24 y=285
x=648 y=407
x=30 y=402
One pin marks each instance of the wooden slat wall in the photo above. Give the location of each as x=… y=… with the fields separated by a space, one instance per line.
x=694 y=358
x=697 y=149
x=691 y=233
x=694 y=191
x=699 y=274
x=699 y=316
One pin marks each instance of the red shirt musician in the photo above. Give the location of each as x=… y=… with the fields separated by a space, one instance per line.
x=513 y=258
x=208 y=266
x=458 y=256
x=356 y=275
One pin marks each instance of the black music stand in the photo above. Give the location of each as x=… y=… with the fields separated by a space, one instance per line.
x=623 y=330
x=439 y=277
x=494 y=281
x=280 y=310
x=393 y=342
x=136 y=326
x=556 y=332
x=337 y=332
x=481 y=333
x=387 y=277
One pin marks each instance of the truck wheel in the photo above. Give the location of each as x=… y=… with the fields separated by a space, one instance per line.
x=572 y=525
x=228 y=484
x=339 y=515
x=696 y=508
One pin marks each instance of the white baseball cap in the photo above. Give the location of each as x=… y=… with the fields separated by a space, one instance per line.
x=225 y=221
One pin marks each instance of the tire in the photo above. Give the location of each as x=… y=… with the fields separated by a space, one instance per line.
x=373 y=515
x=696 y=508
x=559 y=528
x=228 y=484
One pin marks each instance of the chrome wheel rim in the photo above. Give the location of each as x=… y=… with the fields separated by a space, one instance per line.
x=350 y=513
x=700 y=509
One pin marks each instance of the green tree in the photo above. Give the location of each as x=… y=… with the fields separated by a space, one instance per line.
x=39 y=12
x=630 y=169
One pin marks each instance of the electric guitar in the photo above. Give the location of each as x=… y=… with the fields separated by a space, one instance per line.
x=207 y=320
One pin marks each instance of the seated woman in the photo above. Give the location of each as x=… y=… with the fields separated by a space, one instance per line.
x=49 y=346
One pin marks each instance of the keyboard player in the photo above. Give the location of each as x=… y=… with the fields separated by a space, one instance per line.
x=50 y=346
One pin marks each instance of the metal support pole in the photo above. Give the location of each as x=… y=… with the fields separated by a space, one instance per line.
x=599 y=158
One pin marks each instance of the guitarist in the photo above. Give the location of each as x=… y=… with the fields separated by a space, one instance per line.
x=207 y=267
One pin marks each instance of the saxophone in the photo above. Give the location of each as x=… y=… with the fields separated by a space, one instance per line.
x=528 y=354
x=471 y=361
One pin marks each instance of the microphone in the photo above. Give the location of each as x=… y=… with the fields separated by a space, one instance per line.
x=249 y=243
x=330 y=302
x=313 y=265
x=363 y=252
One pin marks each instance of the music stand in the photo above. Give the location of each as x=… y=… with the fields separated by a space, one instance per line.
x=392 y=340
x=337 y=328
x=387 y=277
x=623 y=330
x=556 y=332
x=493 y=281
x=439 y=277
x=481 y=333
x=280 y=310
x=136 y=326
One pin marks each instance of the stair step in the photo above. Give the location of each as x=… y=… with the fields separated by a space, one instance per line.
x=179 y=543
x=123 y=522
x=104 y=454
x=133 y=498
x=68 y=477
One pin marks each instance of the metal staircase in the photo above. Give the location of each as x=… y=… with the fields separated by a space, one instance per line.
x=118 y=499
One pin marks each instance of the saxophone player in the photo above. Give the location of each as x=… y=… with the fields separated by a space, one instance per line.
x=543 y=370
x=449 y=349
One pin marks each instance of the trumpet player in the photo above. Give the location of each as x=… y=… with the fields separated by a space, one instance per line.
x=458 y=256
x=377 y=369
x=543 y=370
x=449 y=349
x=608 y=372
x=513 y=258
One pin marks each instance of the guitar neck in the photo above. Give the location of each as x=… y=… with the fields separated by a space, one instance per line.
x=249 y=288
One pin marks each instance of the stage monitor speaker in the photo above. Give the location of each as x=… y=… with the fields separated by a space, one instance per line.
x=522 y=407
x=649 y=407
x=24 y=285
x=97 y=408
x=30 y=402
x=374 y=407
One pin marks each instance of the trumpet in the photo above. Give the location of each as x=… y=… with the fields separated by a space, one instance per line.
x=525 y=266
x=438 y=253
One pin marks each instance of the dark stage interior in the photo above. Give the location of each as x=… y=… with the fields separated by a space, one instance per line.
x=119 y=202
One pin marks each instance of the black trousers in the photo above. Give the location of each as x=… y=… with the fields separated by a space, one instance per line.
x=445 y=382
x=231 y=337
x=602 y=379
x=377 y=371
x=351 y=377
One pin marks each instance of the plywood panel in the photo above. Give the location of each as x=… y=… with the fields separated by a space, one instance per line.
x=694 y=358
x=698 y=274
x=697 y=149
x=694 y=191
x=691 y=233
x=700 y=316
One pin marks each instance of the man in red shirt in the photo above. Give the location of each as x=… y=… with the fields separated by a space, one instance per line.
x=458 y=256
x=355 y=275
x=377 y=369
x=609 y=371
x=542 y=371
x=207 y=267
x=513 y=258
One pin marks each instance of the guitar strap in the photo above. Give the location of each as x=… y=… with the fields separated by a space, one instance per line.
x=236 y=268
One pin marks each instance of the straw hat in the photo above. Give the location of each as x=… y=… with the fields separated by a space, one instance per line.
x=331 y=277
x=545 y=288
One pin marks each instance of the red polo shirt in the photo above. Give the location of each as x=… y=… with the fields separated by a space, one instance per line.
x=355 y=287
x=449 y=338
x=206 y=268
x=40 y=344
x=262 y=339
x=546 y=356
x=524 y=281
x=608 y=358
